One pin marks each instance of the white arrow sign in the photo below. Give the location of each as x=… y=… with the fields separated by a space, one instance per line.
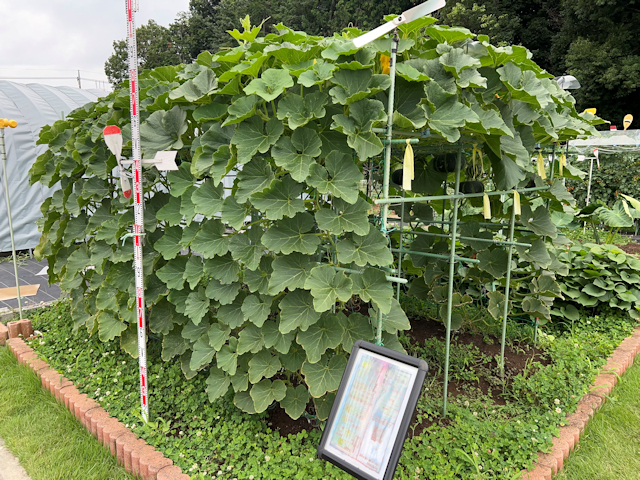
x=409 y=16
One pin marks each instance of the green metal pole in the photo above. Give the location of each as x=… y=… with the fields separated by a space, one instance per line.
x=400 y=246
x=433 y=198
x=452 y=266
x=3 y=152
x=507 y=288
x=475 y=239
x=387 y=155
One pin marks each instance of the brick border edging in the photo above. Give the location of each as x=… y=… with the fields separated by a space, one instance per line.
x=548 y=464
x=134 y=454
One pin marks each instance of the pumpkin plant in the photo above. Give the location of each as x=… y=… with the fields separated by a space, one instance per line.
x=263 y=257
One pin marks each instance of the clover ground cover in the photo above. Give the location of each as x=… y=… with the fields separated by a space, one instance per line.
x=493 y=430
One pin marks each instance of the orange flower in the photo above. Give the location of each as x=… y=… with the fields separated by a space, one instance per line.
x=385 y=61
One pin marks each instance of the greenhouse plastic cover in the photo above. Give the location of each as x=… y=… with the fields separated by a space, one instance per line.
x=32 y=106
x=612 y=141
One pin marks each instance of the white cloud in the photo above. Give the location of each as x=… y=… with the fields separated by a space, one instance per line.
x=56 y=38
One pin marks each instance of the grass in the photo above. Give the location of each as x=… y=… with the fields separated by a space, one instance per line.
x=43 y=434
x=610 y=449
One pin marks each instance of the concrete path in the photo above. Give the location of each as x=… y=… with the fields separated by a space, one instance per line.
x=10 y=469
x=30 y=272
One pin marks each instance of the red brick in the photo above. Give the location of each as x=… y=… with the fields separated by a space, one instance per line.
x=549 y=461
x=589 y=404
x=14 y=329
x=81 y=409
x=36 y=365
x=110 y=433
x=578 y=420
x=560 y=451
x=66 y=392
x=26 y=356
x=171 y=473
x=92 y=418
x=121 y=441
x=571 y=435
x=152 y=464
x=128 y=448
x=4 y=333
x=603 y=384
x=540 y=472
x=26 y=328
x=100 y=426
x=136 y=455
x=76 y=398
x=57 y=389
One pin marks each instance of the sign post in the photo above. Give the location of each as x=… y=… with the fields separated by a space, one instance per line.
x=3 y=152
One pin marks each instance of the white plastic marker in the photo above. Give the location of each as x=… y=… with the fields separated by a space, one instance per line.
x=138 y=203
x=113 y=139
x=408 y=16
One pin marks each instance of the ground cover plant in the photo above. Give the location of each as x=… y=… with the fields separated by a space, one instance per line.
x=493 y=429
x=251 y=288
x=44 y=435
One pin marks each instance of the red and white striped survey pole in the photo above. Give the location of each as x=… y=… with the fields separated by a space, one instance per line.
x=138 y=203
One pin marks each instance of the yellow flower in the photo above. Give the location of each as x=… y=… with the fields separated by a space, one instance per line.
x=385 y=61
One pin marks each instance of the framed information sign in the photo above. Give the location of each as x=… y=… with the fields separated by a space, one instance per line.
x=366 y=429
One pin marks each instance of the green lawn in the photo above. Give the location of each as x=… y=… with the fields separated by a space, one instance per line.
x=45 y=437
x=610 y=448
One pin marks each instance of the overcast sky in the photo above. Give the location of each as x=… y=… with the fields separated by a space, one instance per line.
x=56 y=38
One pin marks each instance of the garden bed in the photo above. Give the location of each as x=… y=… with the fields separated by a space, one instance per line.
x=494 y=427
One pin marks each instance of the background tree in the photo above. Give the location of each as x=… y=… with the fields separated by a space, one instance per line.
x=156 y=48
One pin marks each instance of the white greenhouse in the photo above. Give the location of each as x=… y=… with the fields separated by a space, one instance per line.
x=32 y=106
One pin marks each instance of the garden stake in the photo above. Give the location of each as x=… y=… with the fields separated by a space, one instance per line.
x=452 y=265
x=507 y=288
x=13 y=124
x=387 y=156
x=138 y=204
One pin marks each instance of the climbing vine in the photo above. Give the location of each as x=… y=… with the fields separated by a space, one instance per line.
x=264 y=258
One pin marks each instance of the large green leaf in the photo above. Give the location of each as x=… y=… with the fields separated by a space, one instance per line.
x=449 y=117
x=292 y=235
x=217 y=384
x=297 y=152
x=169 y=244
x=354 y=85
x=163 y=130
x=223 y=294
x=266 y=392
x=193 y=271
x=241 y=109
x=324 y=334
x=174 y=344
x=301 y=110
x=194 y=89
x=252 y=137
x=254 y=178
x=290 y=272
x=109 y=326
x=358 y=327
x=211 y=239
x=281 y=199
x=245 y=250
x=524 y=85
x=257 y=308
x=232 y=314
x=297 y=311
x=173 y=273
x=344 y=217
x=494 y=261
x=208 y=199
x=202 y=353
x=325 y=375
x=250 y=340
x=197 y=305
x=616 y=217
x=262 y=365
x=274 y=338
x=340 y=176
x=327 y=285
x=295 y=401
x=227 y=357
x=223 y=268
x=372 y=286
x=271 y=84
x=372 y=249
x=539 y=221
x=357 y=126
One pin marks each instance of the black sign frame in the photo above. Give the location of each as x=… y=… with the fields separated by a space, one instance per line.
x=421 y=368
